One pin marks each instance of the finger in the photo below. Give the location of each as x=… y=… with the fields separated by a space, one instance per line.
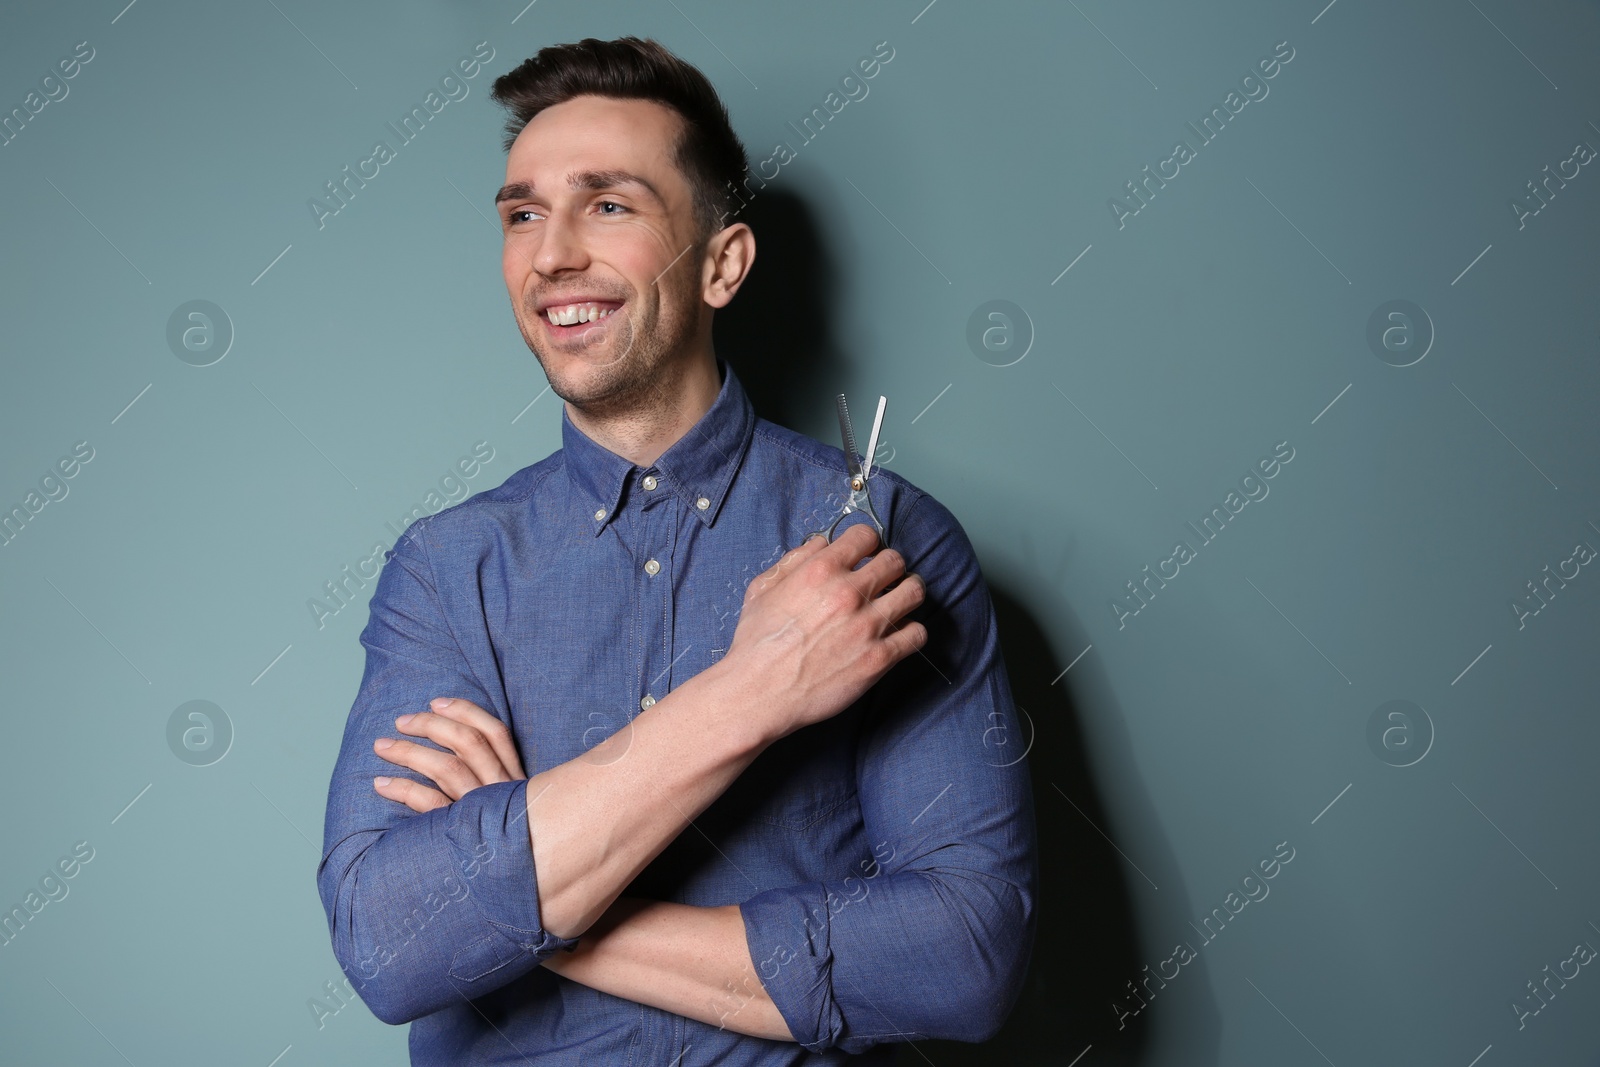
x=903 y=599
x=498 y=733
x=879 y=572
x=906 y=640
x=814 y=542
x=467 y=742
x=445 y=769
x=413 y=795
x=851 y=546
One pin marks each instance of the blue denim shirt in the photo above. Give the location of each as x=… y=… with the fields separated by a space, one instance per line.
x=883 y=860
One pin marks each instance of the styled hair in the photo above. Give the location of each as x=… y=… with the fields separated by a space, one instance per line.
x=709 y=153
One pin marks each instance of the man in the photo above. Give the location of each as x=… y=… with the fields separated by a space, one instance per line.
x=765 y=823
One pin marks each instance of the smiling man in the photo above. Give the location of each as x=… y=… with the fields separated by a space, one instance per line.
x=638 y=771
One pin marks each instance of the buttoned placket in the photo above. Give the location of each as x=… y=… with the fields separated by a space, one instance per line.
x=655 y=537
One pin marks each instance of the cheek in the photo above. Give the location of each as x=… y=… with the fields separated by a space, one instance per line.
x=663 y=255
x=515 y=259
x=644 y=251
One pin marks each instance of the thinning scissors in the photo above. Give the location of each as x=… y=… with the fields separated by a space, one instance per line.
x=860 y=472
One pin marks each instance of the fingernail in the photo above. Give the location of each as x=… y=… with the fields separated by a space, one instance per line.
x=380 y=780
x=383 y=742
x=444 y=702
x=404 y=719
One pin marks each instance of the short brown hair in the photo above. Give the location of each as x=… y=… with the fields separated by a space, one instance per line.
x=709 y=153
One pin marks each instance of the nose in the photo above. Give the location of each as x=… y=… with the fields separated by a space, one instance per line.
x=560 y=245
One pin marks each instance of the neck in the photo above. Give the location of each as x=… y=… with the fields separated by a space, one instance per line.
x=683 y=396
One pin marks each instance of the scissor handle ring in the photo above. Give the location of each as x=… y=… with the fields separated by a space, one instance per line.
x=827 y=534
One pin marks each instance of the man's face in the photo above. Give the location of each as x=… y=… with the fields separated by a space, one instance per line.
x=597 y=217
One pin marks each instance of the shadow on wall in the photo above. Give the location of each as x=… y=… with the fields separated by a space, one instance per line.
x=1087 y=947
x=777 y=336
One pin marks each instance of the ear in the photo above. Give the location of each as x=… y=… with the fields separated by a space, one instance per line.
x=729 y=255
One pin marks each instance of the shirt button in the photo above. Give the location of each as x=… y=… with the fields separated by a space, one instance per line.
x=600 y=514
x=649 y=481
x=702 y=503
x=651 y=566
x=644 y=705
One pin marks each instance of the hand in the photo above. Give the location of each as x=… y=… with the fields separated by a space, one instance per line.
x=816 y=633
x=481 y=752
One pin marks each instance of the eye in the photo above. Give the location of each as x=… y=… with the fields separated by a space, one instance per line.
x=514 y=216
x=611 y=203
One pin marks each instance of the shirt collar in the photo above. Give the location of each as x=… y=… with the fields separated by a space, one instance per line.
x=699 y=466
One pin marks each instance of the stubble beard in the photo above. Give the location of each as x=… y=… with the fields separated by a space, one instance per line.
x=644 y=363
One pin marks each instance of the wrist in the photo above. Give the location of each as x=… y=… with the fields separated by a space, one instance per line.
x=747 y=720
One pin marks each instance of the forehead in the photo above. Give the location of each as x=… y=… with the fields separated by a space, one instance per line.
x=596 y=133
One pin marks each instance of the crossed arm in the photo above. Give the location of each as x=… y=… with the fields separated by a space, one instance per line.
x=688 y=960
x=941 y=951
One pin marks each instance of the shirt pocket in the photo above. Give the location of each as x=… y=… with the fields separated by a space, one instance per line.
x=802 y=779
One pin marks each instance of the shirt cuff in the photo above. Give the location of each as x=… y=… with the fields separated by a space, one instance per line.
x=488 y=833
x=787 y=931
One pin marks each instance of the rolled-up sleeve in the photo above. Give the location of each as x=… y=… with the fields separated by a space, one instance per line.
x=931 y=936
x=423 y=908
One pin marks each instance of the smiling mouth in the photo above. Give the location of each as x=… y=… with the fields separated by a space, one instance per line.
x=574 y=319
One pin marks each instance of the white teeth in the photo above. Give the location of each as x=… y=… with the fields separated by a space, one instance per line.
x=576 y=313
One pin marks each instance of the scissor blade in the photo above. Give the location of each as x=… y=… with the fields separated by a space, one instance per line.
x=849 y=438
x=872 y=442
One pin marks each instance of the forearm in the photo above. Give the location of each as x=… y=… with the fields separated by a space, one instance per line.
x=690 y=961
x=598 y=820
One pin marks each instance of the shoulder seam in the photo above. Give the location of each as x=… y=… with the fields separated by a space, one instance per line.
x=780 y=443
x=479 y=499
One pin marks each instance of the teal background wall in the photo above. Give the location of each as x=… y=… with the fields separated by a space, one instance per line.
x=1443 y=848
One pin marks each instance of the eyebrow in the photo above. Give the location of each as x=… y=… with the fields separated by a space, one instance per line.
x=585 y=179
